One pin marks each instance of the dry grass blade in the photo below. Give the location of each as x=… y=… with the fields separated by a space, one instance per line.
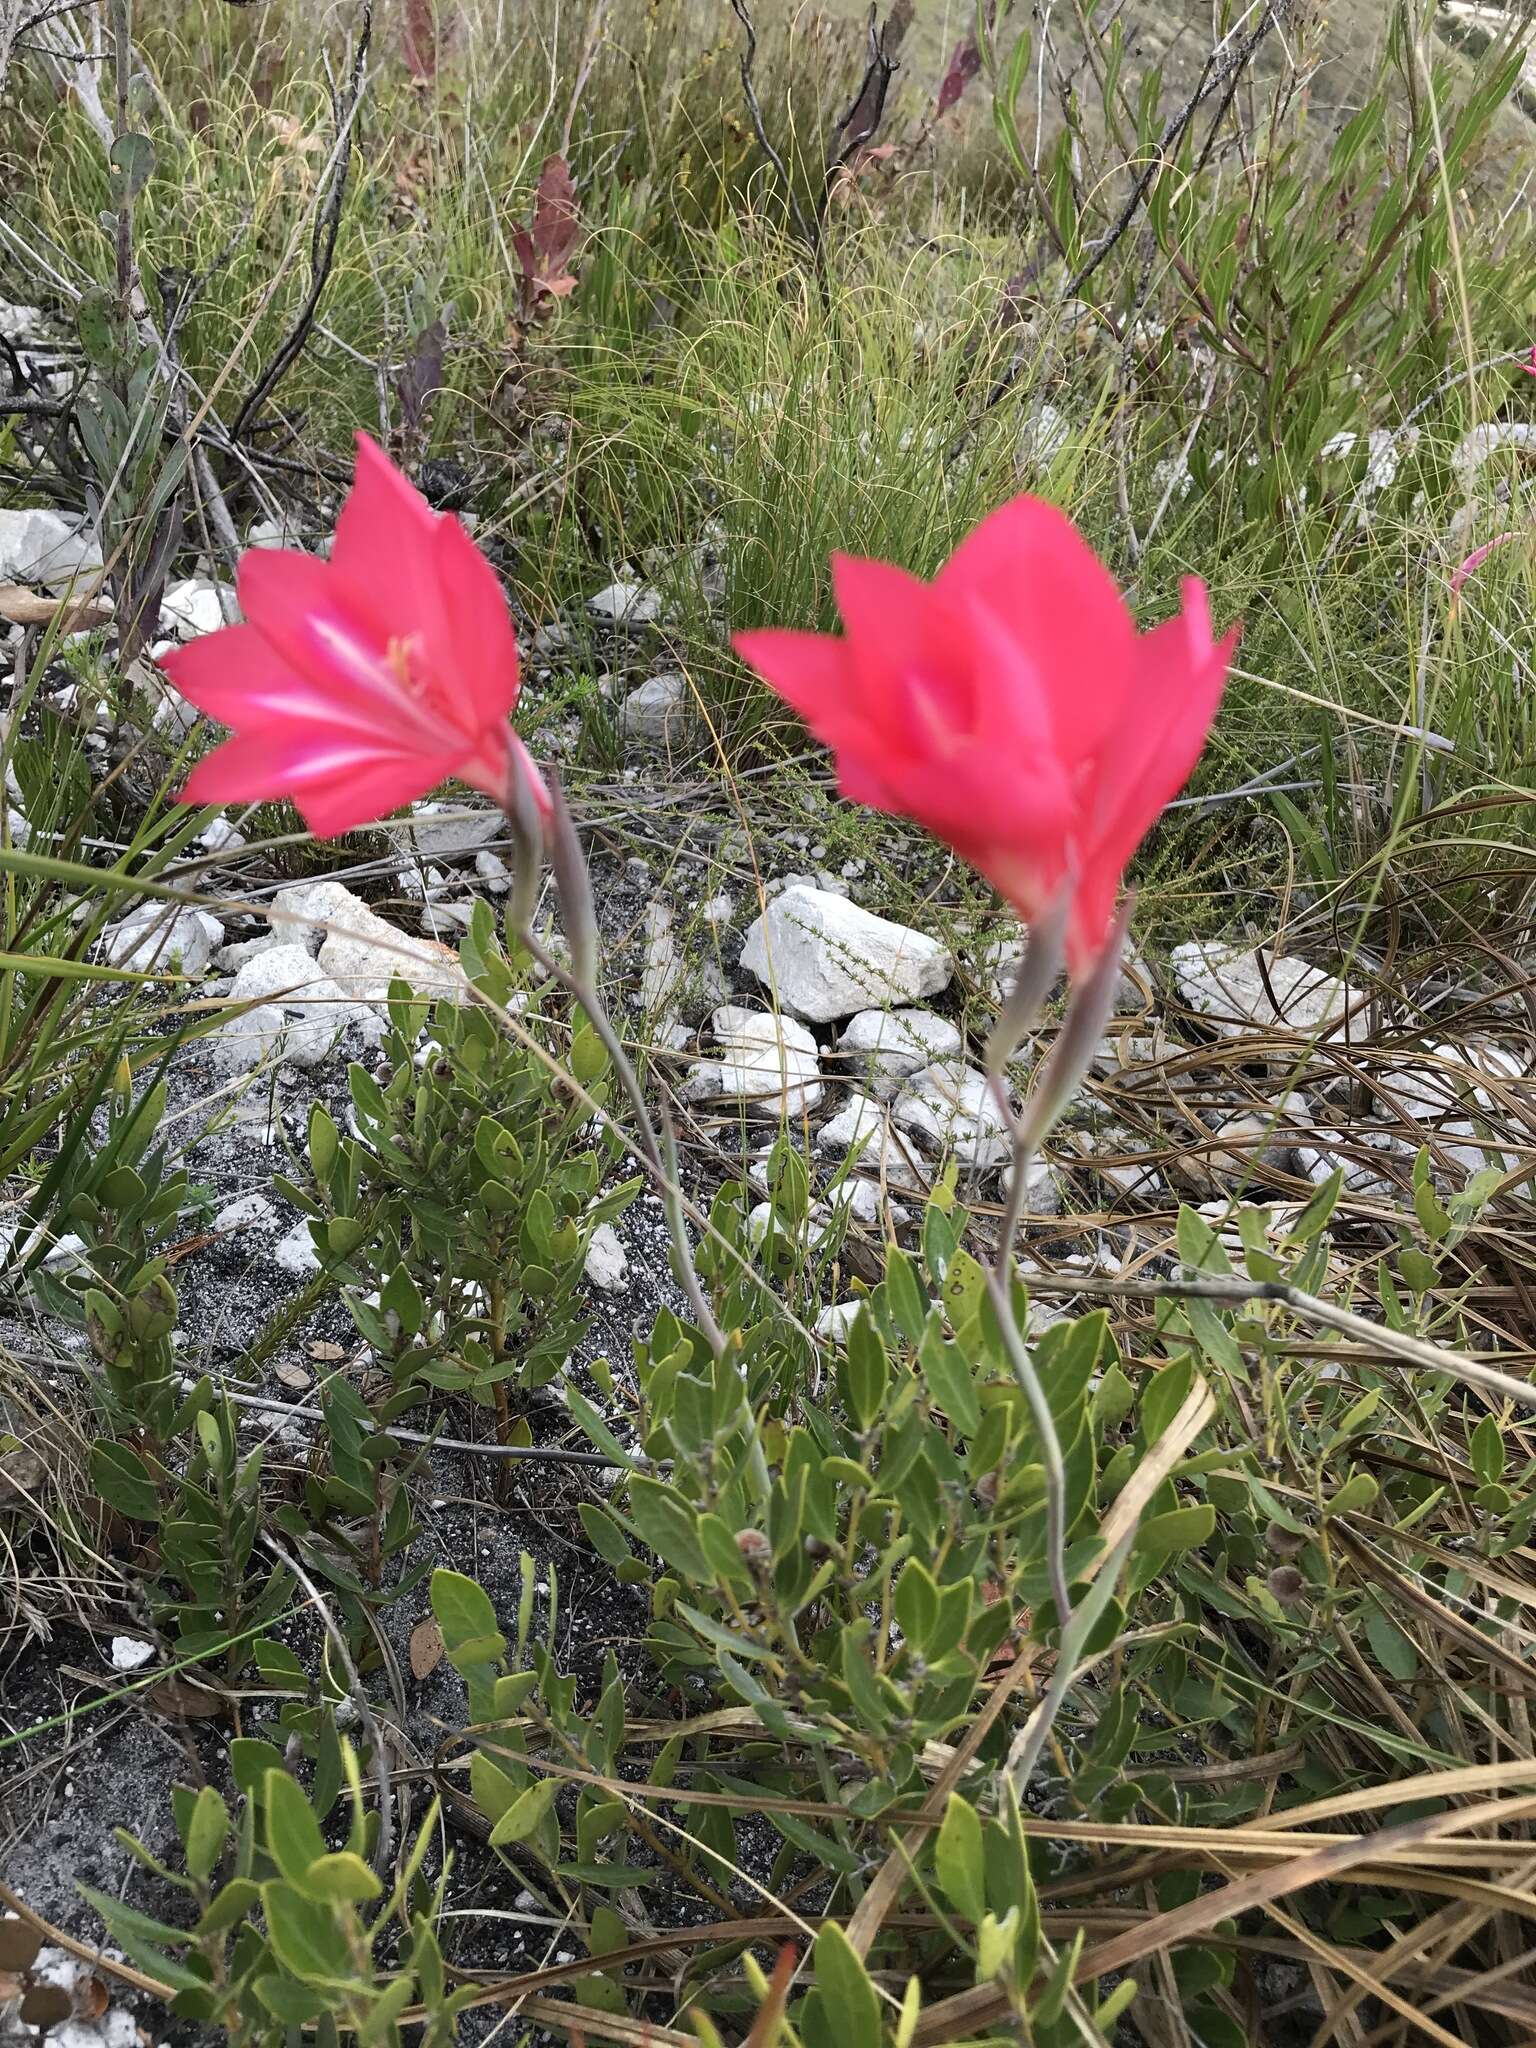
x=953 y=2018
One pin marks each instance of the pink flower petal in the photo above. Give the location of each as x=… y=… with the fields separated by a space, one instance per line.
x=384 y=550
x=337 y=780
x=909 y=670
x=810 y=672
x=1010 y=708
x=481 y=649
x=239 y=678
x=306 y=613
x=1180 y=675
x=360 y=683
x=1033 y=570
x=1476 y=559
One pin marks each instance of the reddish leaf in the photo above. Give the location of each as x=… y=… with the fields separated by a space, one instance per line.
x=417 y=383
x=179 y=1699
x=19 y=1944
x=963 y=67
x=426 y=1648
x=418 y=38
x=546 y=245
x=556 y=217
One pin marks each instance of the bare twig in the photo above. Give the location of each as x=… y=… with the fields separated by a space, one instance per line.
x=25 y=405
x=1217 y=71
x=322 y=253
x=809 y=230
x=526 y=1454
x=1236 y=1292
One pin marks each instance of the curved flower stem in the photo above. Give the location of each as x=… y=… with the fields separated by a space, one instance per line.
x=656 y=1157
x=556 y=836
x=1060 y=1076
x=998 y=1284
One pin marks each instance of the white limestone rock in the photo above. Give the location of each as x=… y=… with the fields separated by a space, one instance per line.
x=283 y=974
x=362 y=952
x=826 y=959
x=21 y=323
x=1248 y=1141
x=162 y=938
x=607 y=1262
x=882 y=1047
x=834 y=1323
x=867 y=1204
x=246 y=1212
x=194 y=606
x=623 y=603
x=858 y=1129
x=1230 y=986
x=249 y=1041
x=1042 y=1189
x=1318 y=1164
x=295 y=1254
x=448 y=831
x=656 y=714
x=234 y=956
x=493 y=871
x=950 y=1107
x=40 y=546
x=665 y=969
x=219 y=836
x=314 y=1009
x=768 y=1063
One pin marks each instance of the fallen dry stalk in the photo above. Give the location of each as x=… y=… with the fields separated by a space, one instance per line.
x=1238 y=1293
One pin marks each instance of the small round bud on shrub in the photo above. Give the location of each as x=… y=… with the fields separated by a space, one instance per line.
x=1282 y=1542
x=986 y=1489
x=814 y=1547
x=755 y=1548
x=1287 y=1584
x=442 y=1068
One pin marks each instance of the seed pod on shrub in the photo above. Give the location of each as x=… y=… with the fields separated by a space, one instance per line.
x=1281 y=1542
x=755 y=1548
x=1286 y=1584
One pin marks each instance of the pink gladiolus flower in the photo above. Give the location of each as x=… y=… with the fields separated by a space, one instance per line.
x=359 y=683
x=1010 y=707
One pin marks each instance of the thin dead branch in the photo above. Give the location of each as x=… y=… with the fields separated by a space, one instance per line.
x=323 y=240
